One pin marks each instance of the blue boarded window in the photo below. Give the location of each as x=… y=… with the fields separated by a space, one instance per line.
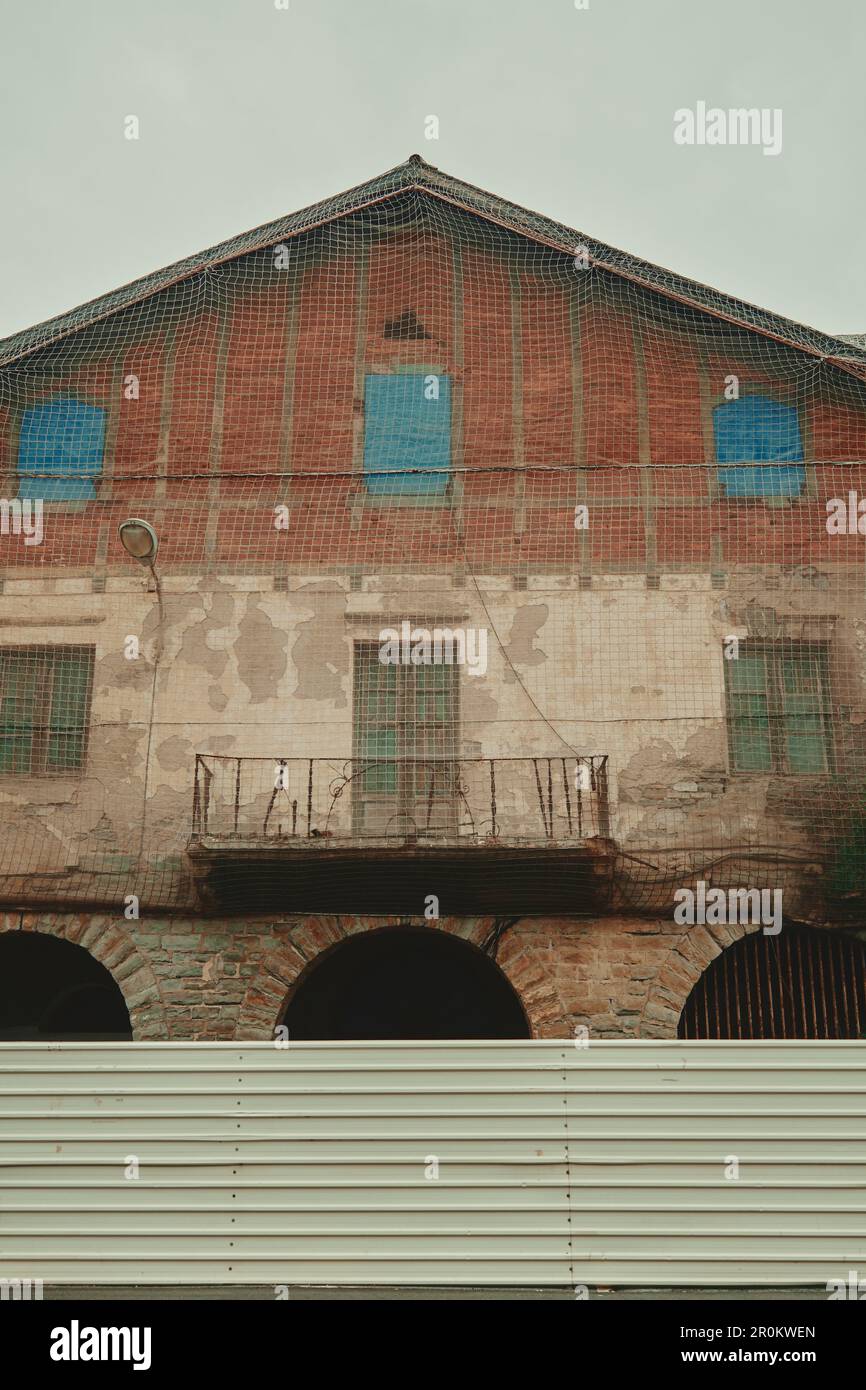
x=407 y=425
x=755 y=430
x=62 y=440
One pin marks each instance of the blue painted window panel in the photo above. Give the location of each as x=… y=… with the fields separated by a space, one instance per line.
x=402 y=430
x=755 y=430
x=65 y=440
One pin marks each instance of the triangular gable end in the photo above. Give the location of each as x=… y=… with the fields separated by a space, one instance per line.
x=416 y=175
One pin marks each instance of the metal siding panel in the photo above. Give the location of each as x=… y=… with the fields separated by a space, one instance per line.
x=558 y=1164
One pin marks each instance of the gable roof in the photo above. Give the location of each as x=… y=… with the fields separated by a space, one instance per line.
x=415 y=175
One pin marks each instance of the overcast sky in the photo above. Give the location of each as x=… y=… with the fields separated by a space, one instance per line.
x=248 y=111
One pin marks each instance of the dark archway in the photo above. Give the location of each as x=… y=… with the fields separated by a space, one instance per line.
x=54 y=991
x=802 y=983
x=403 y=983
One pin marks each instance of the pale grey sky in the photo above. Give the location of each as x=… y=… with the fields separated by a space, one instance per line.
x=248 y=111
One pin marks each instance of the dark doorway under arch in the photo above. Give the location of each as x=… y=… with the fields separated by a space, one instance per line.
x=802 y=983
x=404 y=983
x=54 y=991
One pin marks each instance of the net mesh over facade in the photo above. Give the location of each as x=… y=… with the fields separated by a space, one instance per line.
x=470 y=530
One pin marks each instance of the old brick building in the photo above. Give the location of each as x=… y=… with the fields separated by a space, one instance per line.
x=632 y=502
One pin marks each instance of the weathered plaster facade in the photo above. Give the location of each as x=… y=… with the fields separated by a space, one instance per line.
x=244 y=671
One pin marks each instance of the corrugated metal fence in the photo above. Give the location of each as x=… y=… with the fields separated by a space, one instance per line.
x=521 y=1163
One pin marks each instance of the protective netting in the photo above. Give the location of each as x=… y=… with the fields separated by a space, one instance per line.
x=469 y=530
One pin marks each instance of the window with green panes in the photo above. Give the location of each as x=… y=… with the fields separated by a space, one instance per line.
x=44 y=708
x=375 y=719
x=405 y=740
x=778 y=708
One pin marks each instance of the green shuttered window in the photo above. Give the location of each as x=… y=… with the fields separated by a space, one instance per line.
x=778 y=708
x=405 y=738
x=44 y=708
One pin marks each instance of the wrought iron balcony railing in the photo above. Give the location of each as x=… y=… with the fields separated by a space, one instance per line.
x=511 y=800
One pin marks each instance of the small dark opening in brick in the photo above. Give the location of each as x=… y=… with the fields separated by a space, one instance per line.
x=406 y=326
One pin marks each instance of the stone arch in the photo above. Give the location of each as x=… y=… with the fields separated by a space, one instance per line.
x=684 y=965
x=107 y=941
x=268 y=992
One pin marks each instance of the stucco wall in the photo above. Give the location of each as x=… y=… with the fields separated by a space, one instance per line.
x=246 y=671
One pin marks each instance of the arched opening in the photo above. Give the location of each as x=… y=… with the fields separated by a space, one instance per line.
x=54 y=991
x=800 y=984
x=403 y=982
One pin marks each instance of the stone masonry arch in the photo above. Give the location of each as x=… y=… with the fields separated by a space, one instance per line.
x=684 y=965
x=105 y=939
x=268 y=992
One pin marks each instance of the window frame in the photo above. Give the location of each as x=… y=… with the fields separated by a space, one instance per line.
x=41 y=388
x=788 y=401
x=785 y=393
x=408 y=748
x=49 y=659
x=774 y=653
x=443 y=496
x=59 y=478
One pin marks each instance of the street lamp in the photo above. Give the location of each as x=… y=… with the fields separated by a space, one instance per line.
x=139 y=540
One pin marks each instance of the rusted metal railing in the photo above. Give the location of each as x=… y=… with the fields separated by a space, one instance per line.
x=510 y=799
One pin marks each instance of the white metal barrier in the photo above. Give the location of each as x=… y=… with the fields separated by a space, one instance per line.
x=456 y=1163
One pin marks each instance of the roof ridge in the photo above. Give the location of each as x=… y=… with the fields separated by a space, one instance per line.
x=416 y=173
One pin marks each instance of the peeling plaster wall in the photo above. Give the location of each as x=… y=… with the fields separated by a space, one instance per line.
x=249 y=671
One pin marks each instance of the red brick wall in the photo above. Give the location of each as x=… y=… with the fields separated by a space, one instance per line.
x=225 y=362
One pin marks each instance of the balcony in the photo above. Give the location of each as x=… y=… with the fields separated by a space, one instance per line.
x=380 y=835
